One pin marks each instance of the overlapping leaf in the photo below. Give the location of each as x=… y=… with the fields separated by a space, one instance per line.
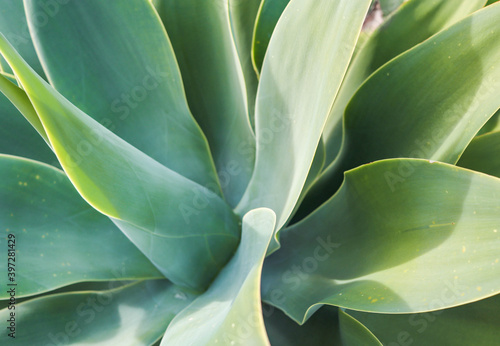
x=132 y=315
x=413 y=23
x=186 y=230
x=354 y=333
x=202 y=37
x=230 y=311
x=267 y=18
x=14 y=26
x=17 y=135
x=389 y=6
x=483 y=154
x=492 y=125
x=328 y=326
x=60 y=238
x=454 y=90
x=116 y=64
x=471 y=324
x=321 y=329
x=18 y=98
x=392 y=221
x=298 y=84
x=242 y=14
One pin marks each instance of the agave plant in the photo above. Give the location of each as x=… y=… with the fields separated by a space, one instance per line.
x=187 y=172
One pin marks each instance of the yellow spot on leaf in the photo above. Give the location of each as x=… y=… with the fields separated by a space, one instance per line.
x=463 y=249
x=37 y=177
x=479 y=288
x=374 y=300
x=54 y=275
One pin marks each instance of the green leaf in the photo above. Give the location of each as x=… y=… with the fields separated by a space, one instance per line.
x=492 y=125
x=242 y=14
x=327 y=326
x=132 y=315
x=14 y=27
x=454 y=87
x=389 y=6
x=354 y=333
x=471 y=324
x=18 y=137
x=230 y=312
x=314 y=172
x=371 y=245
x=321 y=329
x=413 y=23
x=267 y=18
x=19 y=98
x=79 y=286
x=482 y=154
x=186 y=230
x=59 y=238
x=211 y=70
x=126 y=79
x=293 y=87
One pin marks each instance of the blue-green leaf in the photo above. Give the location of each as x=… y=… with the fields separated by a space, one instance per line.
x=186 y=230
x=230 y=312
x=372 y=246
x=454 y=90
x=202 y=37
x=299 y=81
x=131 y=315
x=123 y=73
x=14 y=27
x=59 y=238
